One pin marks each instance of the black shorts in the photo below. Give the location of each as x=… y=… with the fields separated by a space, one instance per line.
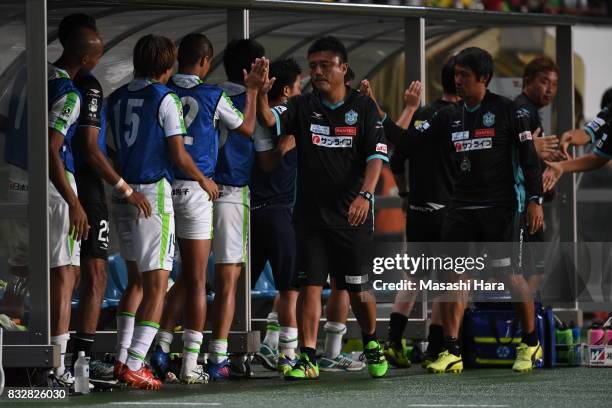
x=89 y=185
x=97 y=243
x=341 y=253
x=534 y=252
x=273 y=240
x=424 y=226
x=490 y=225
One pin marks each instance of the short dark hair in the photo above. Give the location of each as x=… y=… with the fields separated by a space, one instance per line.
x=239 y=55
x=448 y=77
x=73 y=22
x=478 y=60
x=193 y=48
x=153 y=55
x=537 y=65
x=606 y=98
x=329 y=43
x=286 y=72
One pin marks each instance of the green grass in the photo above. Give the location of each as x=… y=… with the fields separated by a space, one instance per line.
x=493 y=388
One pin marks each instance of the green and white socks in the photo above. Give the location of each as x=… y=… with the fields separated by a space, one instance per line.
x=163 y=339
x=272 y=331
x=144 y=333
x=217 y=351
x=288 y=341
x=192 y=341
x=334 y=332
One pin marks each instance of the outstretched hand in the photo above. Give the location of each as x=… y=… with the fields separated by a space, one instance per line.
x=412 y=95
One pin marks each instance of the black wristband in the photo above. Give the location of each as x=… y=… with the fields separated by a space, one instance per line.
x=367 y=195
x=537 y=199
x=404 y=194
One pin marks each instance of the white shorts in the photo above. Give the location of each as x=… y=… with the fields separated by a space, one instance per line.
x=63 y=250
x=193 y=210
x=147 y=241
x=231 y=222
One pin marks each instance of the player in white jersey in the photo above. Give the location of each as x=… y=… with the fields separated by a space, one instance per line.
x=147 y=122
x=205 y=108
x=67 y=219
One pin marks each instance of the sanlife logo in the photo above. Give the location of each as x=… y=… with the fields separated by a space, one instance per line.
x=474 y=144
x=331 y=141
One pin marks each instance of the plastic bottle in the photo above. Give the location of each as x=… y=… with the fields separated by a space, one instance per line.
x=575 y=332
x=81 y=374
x=595 y=335
x=607 y=328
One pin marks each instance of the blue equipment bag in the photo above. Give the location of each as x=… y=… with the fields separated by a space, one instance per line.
x=492 y=332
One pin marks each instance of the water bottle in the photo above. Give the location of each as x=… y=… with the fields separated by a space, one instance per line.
x=595 y=335
x=81 y=374
x=575 y=332
x=607 y=328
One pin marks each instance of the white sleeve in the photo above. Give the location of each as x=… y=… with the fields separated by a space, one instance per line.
x=170 y=116
x=65 y=112
x=262 y=139
x=227 y=113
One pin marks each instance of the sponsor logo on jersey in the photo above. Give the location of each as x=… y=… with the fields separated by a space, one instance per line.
x=332 y=141
x=526 y=135
x=280 y=109
x=417 y=123
x=456 y=136
x=316 y=116
x=456 y=123
x=356 y=280
x=322 y=130
x=489 y=132
x=66 y=111
x=473 y=144
x=381 y=147
x=522 y=113
x=93 y=105
x=345 y=131
x=596 y=123
x=423 y=126
x=488 y=119
x=350 y=117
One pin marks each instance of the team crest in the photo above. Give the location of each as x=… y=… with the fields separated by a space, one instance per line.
x=350 y=117
x=488 y=119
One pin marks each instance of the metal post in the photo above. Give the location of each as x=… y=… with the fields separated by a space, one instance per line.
x=237 y=24
x=238 y=27
x=414 y=52
x=414 y=69
x=38 y=214
x=565 y=121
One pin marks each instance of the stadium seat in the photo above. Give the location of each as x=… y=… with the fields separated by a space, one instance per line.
x=264 y=288
x=117 y=271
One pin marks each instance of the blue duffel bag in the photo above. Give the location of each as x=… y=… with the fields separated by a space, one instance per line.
x=492 y=331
